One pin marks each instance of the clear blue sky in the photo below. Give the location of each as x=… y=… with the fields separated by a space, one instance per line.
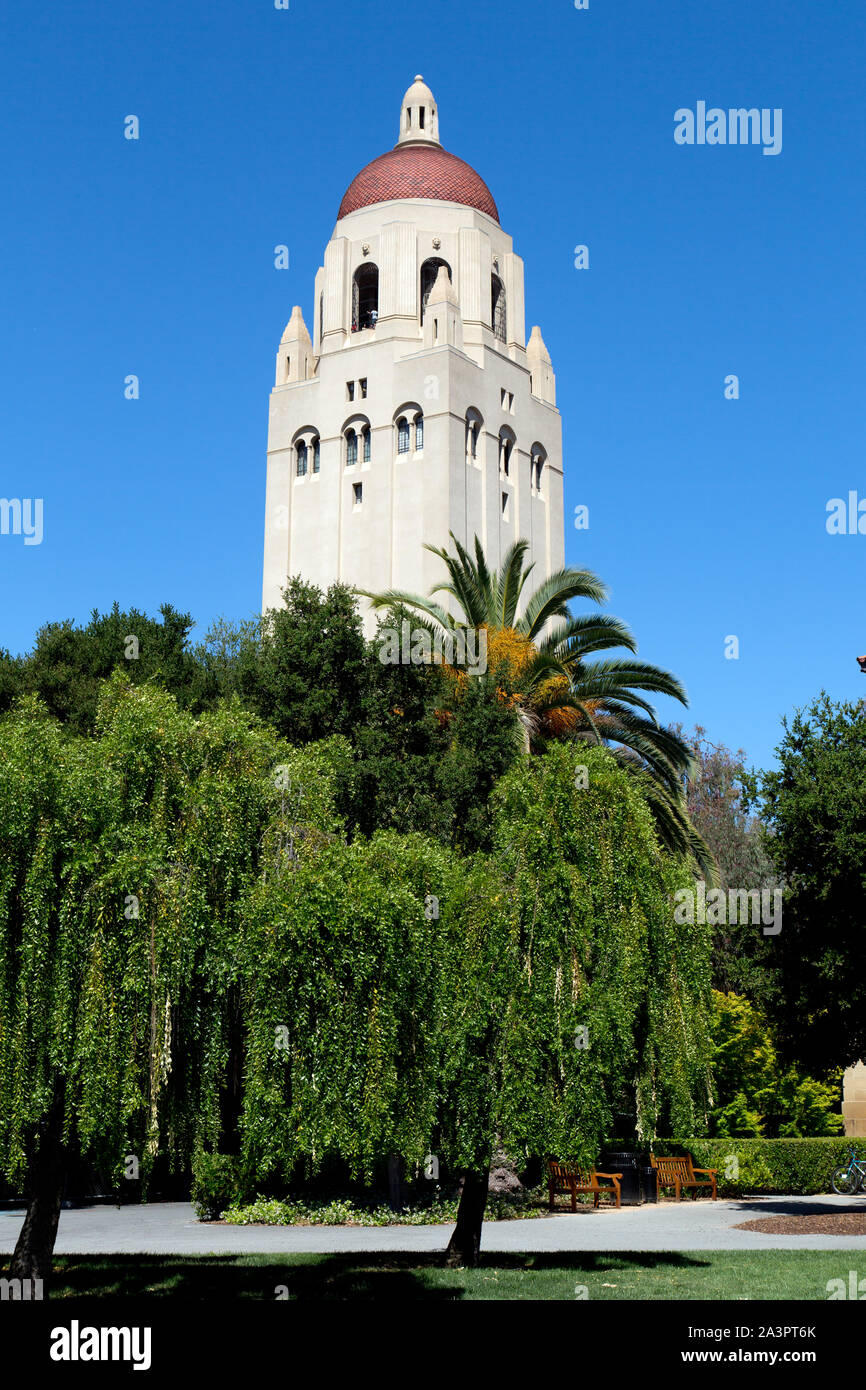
x=707 y=516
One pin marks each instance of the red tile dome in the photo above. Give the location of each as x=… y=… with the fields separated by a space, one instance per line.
x=418 y=171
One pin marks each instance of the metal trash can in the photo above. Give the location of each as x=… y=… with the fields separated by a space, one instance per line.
x=649 y=1184
x=620 y=1161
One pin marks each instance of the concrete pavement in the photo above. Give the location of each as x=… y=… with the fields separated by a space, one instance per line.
x=170 y=1228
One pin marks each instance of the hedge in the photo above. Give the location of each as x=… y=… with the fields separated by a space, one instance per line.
x=794 y=1167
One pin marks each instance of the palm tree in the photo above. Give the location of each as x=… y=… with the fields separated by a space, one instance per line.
x=539 y=659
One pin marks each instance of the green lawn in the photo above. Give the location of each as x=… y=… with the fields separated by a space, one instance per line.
x=726 y=1275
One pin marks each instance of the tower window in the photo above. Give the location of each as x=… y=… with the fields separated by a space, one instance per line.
x=351 y=449
x=363 y=387
x=536 y=468
x=402 y=435
x=357 y=493
x=316 y=455
x=365 y=297
x=472 y=428
x=419 y=432
x=497 y=308
x=506 y=444
x=365 y=435
x=505 y=506
x=429 y=272
x=301 y=465
x=350 y=390
x=422 y=114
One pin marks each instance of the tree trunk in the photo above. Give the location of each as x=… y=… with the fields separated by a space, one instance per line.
x=32 y=1257
x=464 y=1247
x=396 y=1182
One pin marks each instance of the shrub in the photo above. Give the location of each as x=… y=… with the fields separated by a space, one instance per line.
x=796 y=1167
x=215 y=1184
x=442 y=1210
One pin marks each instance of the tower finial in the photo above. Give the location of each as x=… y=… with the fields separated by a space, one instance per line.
x=419 y=116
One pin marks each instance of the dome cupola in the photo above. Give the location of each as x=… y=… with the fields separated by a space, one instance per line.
x=419 y=117
x=418 y=166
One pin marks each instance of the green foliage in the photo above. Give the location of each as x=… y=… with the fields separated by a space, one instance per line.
x=551 y=682
x=69 y=663
x=304 y=669
x=484 y=739
x=815 y=807
x=339 y=961
x=398 y=997
x=720 y=792
x=216 y=1184
x=439 y=1211
x=797 y=1167
x=753 y=1093
x=571 y=928
x=194 y=956
x=124 y=859
x=418 y=765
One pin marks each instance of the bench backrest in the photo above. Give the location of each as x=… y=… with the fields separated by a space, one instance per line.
x=567 y=1173
x=670 y=1168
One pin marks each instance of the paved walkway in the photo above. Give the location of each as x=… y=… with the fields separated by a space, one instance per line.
x=170 y=1228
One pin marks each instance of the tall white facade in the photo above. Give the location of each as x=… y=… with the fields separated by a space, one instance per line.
x=416 y=407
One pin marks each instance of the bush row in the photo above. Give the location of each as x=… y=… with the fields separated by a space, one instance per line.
x=797 y=1167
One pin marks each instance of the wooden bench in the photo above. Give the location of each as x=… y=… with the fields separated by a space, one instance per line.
x=569 y=1178
x=681 y=1172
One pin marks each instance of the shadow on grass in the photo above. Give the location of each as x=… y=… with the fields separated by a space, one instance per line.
x=376 y=1276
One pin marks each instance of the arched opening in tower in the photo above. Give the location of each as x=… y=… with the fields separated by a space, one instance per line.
x=365 y=297
x=429 y=272
x=497 y=308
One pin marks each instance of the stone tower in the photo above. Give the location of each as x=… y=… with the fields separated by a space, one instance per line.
x=416 y=407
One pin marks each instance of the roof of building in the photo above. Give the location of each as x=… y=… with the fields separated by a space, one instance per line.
x=418 y=167
x=418 y=171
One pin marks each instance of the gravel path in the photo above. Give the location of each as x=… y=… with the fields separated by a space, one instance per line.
x=170 y=1228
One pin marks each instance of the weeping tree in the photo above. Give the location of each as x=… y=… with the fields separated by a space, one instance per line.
x=342 y=998
x=124 y=859
x=188 y=944
x=398 y=997
x=568 y=981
